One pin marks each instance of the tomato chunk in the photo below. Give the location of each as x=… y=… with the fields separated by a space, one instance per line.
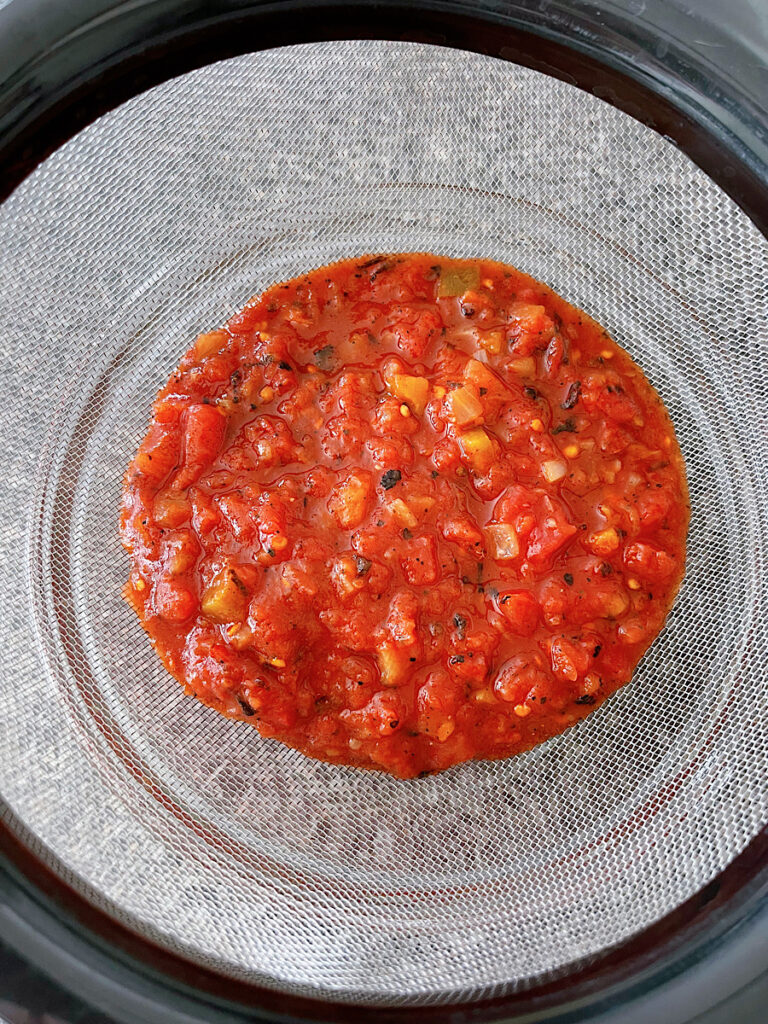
x=203 y=437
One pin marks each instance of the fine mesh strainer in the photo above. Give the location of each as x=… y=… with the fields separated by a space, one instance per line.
x=162 y=218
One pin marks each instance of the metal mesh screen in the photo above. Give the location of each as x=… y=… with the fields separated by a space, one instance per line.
x=160 y=220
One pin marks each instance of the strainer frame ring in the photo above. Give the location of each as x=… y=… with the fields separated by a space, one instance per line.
x=122 y=63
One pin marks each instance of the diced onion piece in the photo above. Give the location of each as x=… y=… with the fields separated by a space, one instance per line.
x=392 y=665
x=420 y=503
x=477 y=448
x=615 y=603
x=225 y=599
x=463 y=406
x=402 y=514
x=184 y=556
x=445 y=731
x=411 y=390
x=208 y=344
x=491 y=341
x=345 y=577
x=297 y=580
x=604 y=542
x=392 y=368
x=591 y=684
x=479 y=374
x=348 y=500
x=530 y=317
x=525 y=367
x=553 y=470
x=455 y=280
x=502 y=541
x=171 y=510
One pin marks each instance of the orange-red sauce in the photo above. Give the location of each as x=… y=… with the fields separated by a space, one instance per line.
x=406 y=511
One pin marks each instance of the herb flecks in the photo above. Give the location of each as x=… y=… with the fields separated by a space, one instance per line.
x=324 y=356
x=566 y=427
x=363 y=565
x=390 y=478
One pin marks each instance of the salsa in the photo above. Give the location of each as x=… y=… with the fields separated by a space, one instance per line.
x=405 y=511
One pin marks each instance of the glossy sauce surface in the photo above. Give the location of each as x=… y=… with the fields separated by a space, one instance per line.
x=406 y=511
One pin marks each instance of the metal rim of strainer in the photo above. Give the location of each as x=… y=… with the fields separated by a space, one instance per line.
x=109 y=58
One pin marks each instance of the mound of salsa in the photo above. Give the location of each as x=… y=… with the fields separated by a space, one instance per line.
x=406 y=511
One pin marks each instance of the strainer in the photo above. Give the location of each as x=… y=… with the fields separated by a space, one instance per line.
x=223 y=850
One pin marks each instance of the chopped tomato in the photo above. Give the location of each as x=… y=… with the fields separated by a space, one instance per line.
x=405 y=511
x=203 y=437
x=521 y=610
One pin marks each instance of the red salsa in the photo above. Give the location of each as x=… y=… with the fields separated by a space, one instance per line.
x=406 y=511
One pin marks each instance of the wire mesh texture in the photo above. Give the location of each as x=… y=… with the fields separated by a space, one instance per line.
x=160 y=220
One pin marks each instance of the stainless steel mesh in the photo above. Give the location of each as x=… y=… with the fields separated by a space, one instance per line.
x=159 y=221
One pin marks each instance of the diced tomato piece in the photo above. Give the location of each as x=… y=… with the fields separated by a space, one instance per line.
x=239 y=516
x=402 y=621
x=650 y=562
x=551 y=531
x=171 y=511
x=521 y=677
x=653 y=506
x=463 y=530
x=569 y=660
x=158 y=454
x=438 y=700
x=383 y=715
x=205 y=516
x=343 y=434
x=530 y=327
x=271 y=441
x=174 y=600
x=521 y=610
x=203 y=437
x=420 y=561
x=415 y=335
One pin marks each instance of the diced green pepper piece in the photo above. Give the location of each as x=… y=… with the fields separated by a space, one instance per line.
x=455 y=279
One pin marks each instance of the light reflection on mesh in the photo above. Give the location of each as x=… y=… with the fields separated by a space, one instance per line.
x=159 y=221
